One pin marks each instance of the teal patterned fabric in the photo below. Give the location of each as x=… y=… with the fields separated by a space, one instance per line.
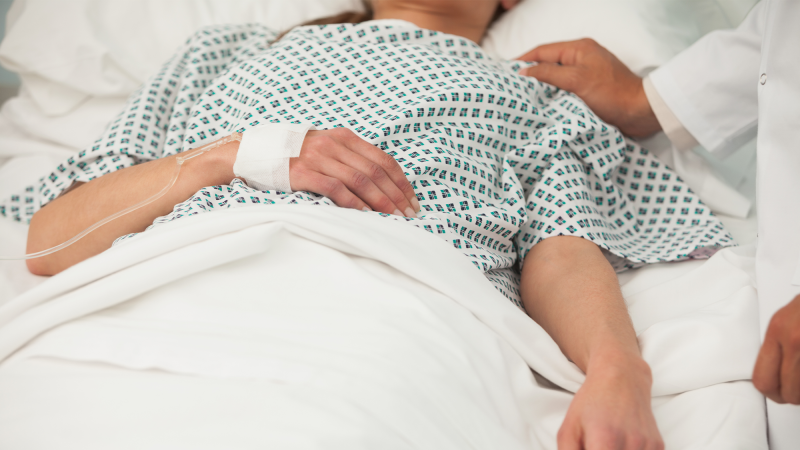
x=498 y=161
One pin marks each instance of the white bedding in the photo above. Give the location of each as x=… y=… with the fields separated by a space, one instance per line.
x=397 y=341
x=696 y=321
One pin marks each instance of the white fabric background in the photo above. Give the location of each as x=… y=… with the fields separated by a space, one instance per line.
x=66 y=104
x=384 y=328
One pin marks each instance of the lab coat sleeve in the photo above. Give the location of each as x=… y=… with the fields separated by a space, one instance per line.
x=712 y=87
x=677 y=134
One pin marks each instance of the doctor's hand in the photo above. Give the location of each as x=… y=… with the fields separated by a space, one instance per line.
x=777 y=371
x=353 y=173
x=601 y=80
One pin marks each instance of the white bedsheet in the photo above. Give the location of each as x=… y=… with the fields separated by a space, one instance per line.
x=700 y=328
x=207 y=329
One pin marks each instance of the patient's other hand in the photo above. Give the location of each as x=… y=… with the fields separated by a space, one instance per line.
x=595 y=75
x=777 y=371
x=612 y=410
x=352 y=172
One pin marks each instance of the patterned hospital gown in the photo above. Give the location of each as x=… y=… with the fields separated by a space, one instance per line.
x=498 y=161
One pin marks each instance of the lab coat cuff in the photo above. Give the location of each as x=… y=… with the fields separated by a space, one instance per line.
x=263 y=156
x=680 y=137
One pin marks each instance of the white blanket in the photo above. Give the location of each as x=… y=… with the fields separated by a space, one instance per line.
x=207 y=333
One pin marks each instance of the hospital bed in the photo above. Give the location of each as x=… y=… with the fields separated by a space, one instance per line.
x=206 y=333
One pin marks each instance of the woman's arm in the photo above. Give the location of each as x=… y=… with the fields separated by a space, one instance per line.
x=335 y=163
x=91 y=202
x=570 y=289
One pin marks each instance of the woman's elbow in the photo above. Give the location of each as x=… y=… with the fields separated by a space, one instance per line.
x=42 y=265
x=37 y=242
x=37 y=267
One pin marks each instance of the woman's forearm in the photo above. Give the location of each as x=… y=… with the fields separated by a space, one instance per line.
x=570 y=289
x=89 y=203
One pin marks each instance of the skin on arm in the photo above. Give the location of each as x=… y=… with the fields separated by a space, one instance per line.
x=617 y=96
x=91 y=202
x=570 y=289
x=600 y=79
x=335 y=163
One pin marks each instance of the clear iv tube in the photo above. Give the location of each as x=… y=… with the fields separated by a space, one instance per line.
x=182 y=158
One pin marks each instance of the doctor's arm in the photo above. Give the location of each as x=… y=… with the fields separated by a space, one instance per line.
x=707 y=94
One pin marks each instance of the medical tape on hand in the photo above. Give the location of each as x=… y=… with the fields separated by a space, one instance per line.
x=263 y=156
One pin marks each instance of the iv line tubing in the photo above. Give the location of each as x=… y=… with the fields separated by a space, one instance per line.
x=179 y=162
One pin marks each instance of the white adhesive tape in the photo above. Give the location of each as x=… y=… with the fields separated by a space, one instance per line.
x=263 y=156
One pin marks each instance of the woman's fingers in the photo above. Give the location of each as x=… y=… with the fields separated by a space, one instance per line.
x=361 y=185
x=379 y=176
x=363 y=169
x=330 y=187
x=389 y=166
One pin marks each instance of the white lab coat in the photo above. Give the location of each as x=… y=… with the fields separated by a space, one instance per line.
x=723 y=89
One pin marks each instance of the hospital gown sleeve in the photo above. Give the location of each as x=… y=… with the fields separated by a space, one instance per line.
x=154 y=121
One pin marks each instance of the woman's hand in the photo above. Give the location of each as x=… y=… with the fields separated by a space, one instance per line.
x=353 y=173
x=612 y=410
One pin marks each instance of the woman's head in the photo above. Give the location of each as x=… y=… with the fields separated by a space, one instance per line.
x=468 y=18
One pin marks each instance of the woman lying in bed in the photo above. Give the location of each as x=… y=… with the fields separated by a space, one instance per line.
x=416 y=123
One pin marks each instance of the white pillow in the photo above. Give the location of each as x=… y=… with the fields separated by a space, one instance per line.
x=642 y=33
x=70 y=51
x=67 y=51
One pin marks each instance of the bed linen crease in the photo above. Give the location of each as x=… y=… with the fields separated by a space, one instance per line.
x=124 y=316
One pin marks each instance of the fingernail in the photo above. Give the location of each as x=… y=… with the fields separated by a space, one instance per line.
x=410 y=213
x=415 y=203
x=397 y=212
x=366 y=209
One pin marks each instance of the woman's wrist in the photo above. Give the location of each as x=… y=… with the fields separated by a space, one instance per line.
x=621 y=364
x=215 y=167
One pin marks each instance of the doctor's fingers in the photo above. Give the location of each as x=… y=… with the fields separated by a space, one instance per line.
x=387 y=163
x=787 y=324
x=567 y=53
x=379 y=176
x=777 y=371
x=767 y=372
x=790 y=376
x=564 y=77
x=569 y=435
